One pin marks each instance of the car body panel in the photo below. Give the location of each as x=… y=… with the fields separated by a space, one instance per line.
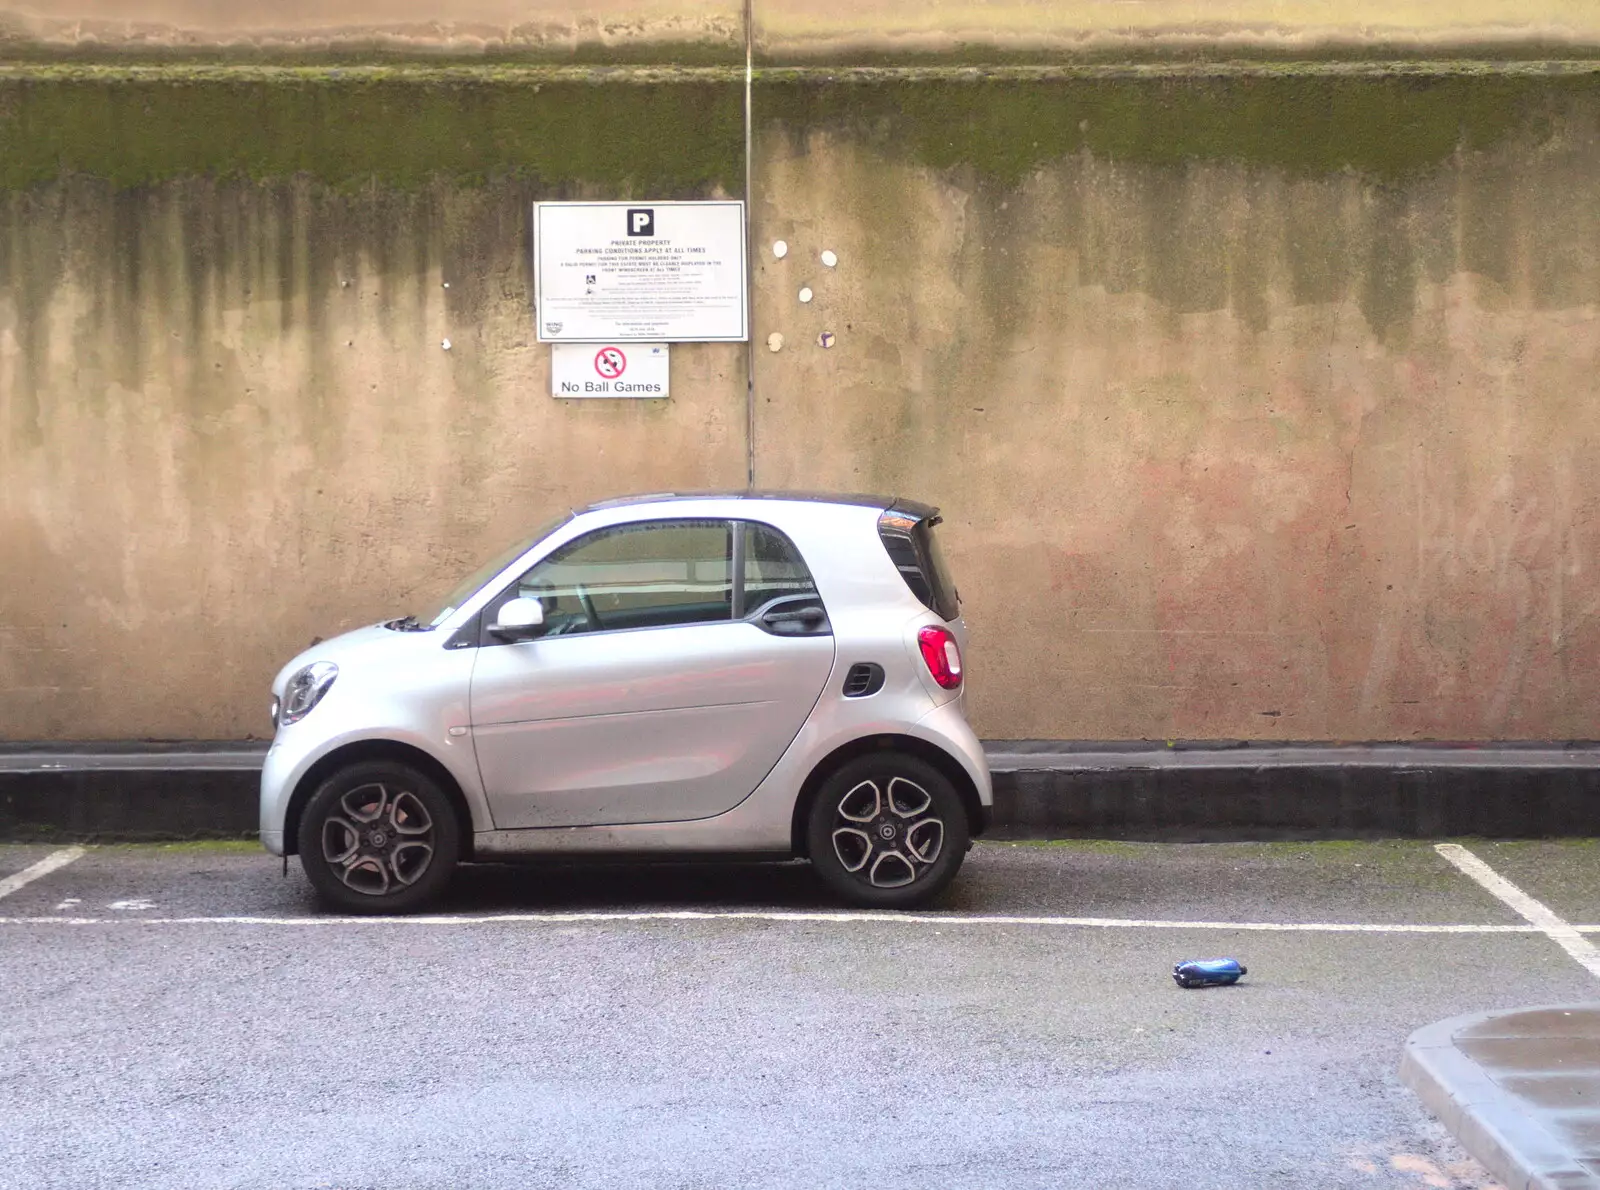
x=763 y=823
x=398 y=687
x=645 y=725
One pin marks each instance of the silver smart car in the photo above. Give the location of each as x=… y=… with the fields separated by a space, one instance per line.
x=754 y=673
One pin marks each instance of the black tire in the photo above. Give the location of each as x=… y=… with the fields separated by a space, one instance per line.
x=869 y=827
x=361 y=864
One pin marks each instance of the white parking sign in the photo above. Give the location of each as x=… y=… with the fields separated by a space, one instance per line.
x=609 y=370
x=632 y=272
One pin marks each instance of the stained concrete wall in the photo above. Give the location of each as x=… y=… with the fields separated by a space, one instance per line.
x=1261 y=403
x=693 y=29
x=228 y=422
x=804 y=30
x=1247 y=427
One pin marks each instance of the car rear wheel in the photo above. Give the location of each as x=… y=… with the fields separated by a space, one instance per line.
x=379 y=837
x=887 y=831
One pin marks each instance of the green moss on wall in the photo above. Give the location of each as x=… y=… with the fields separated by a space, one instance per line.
x=667 y=133
x=1180 y=50
x=678 y=130
x=355 y=51
x=1307 y=122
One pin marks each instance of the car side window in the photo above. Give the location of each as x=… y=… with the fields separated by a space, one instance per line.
x=650 y=575
x=773 y=568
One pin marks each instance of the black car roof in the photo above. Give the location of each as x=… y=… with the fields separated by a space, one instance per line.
x=911 y=508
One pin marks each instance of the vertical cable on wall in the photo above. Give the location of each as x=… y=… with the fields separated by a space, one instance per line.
x=750 y=261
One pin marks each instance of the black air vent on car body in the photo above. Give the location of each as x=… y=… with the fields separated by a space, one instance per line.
x=864 y=678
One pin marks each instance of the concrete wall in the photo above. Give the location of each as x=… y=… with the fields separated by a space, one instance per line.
x=808 y=29
x=227 y=420
x=1261 y=403
x=1287 y=437
x=674 y=30
x=538 y=28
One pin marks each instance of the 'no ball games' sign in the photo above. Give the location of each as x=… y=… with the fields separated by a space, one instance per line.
x=640 y=272
x=608 y=370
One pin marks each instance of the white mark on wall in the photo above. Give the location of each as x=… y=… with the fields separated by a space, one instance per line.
x=1467 y=618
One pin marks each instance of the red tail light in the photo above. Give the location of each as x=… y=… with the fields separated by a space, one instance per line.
x=942 y=655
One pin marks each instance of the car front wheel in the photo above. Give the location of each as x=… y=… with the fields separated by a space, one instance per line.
x=887 y=831
x=378 y=837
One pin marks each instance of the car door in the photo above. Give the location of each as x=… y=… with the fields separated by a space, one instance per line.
x=679 y=659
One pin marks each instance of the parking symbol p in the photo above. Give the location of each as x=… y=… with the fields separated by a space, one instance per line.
x=641 y=221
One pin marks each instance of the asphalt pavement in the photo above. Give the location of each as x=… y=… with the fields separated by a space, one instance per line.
x=184 y=1016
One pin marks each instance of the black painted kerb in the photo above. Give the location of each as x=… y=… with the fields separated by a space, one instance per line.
x=1043 y=789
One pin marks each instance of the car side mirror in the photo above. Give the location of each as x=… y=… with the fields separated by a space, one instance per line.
x=520 y=619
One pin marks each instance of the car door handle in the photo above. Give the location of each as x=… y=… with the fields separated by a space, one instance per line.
x=806 y=615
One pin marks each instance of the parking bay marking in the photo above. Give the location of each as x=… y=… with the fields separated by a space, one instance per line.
x=56 y=859
x=1540 y=917
x=599 y=917
x=1563 y=933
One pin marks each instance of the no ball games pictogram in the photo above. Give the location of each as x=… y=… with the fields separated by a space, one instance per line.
x=610 y=362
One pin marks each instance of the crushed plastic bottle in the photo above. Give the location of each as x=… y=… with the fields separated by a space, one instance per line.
x=1207 y=973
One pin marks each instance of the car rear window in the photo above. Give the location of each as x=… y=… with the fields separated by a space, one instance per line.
x=915 y=552
x=773 y=568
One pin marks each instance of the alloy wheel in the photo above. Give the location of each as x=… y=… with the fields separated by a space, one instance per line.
x=886 y=832
x=378 y=839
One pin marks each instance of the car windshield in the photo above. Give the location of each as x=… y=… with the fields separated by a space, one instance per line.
x=467 y=587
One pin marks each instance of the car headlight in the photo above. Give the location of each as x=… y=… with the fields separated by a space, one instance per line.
x=305 y=690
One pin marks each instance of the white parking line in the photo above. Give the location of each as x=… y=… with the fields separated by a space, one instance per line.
x=796 y=917
x=1564 y=934
x=56 y=859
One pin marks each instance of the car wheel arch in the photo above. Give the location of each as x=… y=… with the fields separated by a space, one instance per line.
x=368 y=750
x=948 y=766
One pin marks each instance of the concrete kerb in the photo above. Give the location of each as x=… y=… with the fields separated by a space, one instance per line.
x=1186 y=791
x=1487 y=1120
x=129 y=792
x=1228 y=790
